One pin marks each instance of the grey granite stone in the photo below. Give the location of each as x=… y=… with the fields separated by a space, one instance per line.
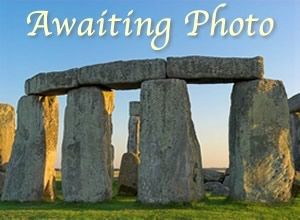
x=170 y=169
x=201 y=69
x=261 y=164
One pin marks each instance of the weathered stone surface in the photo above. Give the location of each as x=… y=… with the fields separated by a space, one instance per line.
x=133 y=143
x=7 y=132
x=210 y=175
x=200 y=69
x=134 y=108
x=226 y=181
x=296 y=184
x=295 y=134
x=51 y=113
x=170 y=169
x=110 y=161
x=216 y=188
x=130 y=74
x=227 y=172
x=114 y=75
x=53 y=83
x=123 y=74
x=294 y=103
x=2 y=180
x=129 y=174
x=31 y=167
x=87 y=149
x=261 y=167
x=3 y=167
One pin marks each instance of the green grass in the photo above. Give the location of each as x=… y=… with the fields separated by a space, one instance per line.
x=121 y=207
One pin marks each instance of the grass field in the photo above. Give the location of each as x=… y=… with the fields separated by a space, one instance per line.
x=127 y=208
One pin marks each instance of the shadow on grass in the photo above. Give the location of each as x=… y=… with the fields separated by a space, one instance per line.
x=129 y=203
x=120 y=203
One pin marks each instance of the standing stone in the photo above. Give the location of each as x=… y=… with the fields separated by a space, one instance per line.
x=295 y=133
x=216 y=188
x=211 y=175
x=129 y=174
x=133 y=143
x=7 y=132
x=110 y=161
x=170 y=169
x=2 y=180
x=86 y=150
x=51 y=126
x=129 y=164
x=31 y=167
x=261 y=167
x=134 y=108
x=294 y=103
x=226 y=181
x=294 y=106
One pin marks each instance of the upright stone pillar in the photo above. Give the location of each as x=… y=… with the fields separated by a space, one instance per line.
x=261 y=165
x=7 y=133
x=31 y=167
x=87 y=149
x=133 y=143
x=128 y=179
x=110 y=161
x=294 y=106
x=170 y=169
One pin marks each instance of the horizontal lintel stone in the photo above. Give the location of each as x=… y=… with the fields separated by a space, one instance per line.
x=123 y=74
x=52 y=83
x=130 y=74
x=202 y=69
x=294 y=103
x=113 y=75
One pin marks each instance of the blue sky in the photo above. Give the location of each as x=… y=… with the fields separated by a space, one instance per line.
x=22 y=57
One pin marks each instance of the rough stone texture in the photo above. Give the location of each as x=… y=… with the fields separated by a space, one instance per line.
x=123 y=74
x=128 y=174
x=296 y=184
x=200 y=69
x=261 y=167
x=210 y=175
x=31 y=167
x=295 y=133
x=294 y=103
x=51 y=125
x=134 y=108
x=53 y=83
x=113 y=75
x=86 y=150
x=227 y=172
x=3 y=167
x=216 y=188
x=170 y=169
x=226 y=181
x=130 y=74
x=133 y=143
x=2 y=180
x=110 y=161
x=7 y=132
